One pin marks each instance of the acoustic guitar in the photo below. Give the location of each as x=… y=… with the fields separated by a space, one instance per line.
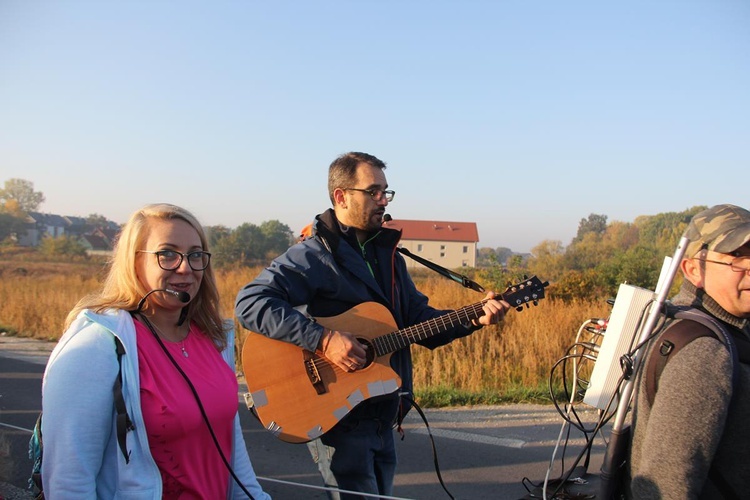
x=298 y=395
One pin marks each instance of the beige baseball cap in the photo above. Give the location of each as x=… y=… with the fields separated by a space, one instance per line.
x=721 y=228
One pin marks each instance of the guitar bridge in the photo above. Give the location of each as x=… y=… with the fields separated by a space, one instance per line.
x=312 y=372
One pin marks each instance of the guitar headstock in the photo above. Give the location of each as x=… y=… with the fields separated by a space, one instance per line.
x=528 y=290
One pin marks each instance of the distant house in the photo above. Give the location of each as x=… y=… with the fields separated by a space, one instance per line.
x=449 y=244
x=108 y=234
x=39 y=225
x=100 y=241
x=77 y=226
x=97 y=240
x=95 y=244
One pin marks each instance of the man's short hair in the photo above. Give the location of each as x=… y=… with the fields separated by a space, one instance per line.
x=343 y=170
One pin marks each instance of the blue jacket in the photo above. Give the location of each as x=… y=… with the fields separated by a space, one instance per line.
x=325 y=275
x=81 y=457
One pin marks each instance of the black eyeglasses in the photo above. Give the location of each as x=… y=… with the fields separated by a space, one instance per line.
x=169 y=260
x=738 y=264
x=375 y=194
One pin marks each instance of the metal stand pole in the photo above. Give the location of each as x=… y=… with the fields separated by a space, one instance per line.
x=614 y=456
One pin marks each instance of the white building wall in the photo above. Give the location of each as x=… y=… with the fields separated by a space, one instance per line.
x=449 y=254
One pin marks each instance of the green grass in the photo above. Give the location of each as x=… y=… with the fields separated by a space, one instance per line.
x=442 y=396
x=8 y=330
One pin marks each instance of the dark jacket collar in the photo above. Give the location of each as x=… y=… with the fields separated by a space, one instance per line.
x=376 y=273
x=328 y=227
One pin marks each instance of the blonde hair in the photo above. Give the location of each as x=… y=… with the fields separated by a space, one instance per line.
x=122 y=289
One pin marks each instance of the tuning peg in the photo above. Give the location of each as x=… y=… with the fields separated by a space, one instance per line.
x=519 y=308
x=536 y=302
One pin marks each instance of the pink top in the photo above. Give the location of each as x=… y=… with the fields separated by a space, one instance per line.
x=178 y=437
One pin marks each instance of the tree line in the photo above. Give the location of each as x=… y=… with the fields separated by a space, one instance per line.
x=246 y=245
x=600 y=257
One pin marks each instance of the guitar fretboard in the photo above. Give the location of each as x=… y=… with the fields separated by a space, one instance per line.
x=399 y=339
x=530 y=290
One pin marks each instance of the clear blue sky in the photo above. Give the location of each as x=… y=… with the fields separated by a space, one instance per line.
x=522 y=116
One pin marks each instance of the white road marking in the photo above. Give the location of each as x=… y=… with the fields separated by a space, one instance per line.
x=473 y=438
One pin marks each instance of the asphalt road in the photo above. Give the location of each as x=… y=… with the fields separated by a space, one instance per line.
x=483 y=452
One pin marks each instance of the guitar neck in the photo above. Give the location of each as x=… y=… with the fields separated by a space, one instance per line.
x=405 y=337
x=530 y=290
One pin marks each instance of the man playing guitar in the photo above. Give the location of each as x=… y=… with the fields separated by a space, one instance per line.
x=349 y=260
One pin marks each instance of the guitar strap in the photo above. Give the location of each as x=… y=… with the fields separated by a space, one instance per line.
x=432 y=441
x=459 y=278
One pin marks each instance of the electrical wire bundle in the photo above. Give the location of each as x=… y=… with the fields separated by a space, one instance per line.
x=574 y=370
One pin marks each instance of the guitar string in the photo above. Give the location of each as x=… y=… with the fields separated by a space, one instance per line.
x=406 y=336
x=412 y=333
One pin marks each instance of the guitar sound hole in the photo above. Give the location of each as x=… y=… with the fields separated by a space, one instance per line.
x=369 y=350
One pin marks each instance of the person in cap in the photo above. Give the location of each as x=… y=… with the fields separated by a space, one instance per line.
x=693 y=441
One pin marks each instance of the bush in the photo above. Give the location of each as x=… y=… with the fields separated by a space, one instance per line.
x=62 y=245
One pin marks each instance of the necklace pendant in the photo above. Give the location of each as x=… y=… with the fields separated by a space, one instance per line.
x=184 y=352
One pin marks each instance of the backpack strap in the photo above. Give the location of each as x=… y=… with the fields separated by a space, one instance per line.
x=36 y=445
x=675 y=338
x=671 y=342
x=681 y=334
x=124 y=424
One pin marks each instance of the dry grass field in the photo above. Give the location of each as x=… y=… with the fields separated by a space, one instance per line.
x=507 y=362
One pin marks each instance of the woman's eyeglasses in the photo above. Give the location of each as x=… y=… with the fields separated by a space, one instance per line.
x=169 y=260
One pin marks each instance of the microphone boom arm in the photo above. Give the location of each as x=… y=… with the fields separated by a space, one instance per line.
x=184 y=297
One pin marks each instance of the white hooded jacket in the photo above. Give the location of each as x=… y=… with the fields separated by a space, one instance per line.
x=81 y=458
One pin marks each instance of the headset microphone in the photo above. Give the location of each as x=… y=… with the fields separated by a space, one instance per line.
x=183 y=297
x=387 y=218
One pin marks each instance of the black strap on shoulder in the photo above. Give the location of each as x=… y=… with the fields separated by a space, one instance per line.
x=720 y=331
x=124 y=424
x=671 y=341
x=681 y=334
x=460 y=278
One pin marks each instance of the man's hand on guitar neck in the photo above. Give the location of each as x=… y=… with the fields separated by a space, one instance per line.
x=494 y=311
x=343 y=349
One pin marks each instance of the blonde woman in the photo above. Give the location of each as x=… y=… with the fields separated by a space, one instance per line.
x=181 y=436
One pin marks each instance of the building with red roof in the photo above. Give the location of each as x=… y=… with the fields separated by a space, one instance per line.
x=449 y=244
